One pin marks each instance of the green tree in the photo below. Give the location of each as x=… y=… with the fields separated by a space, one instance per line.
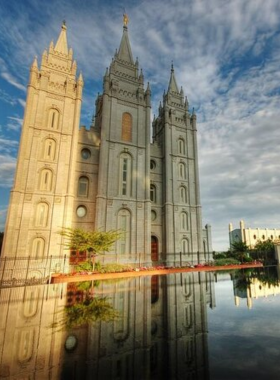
x=93 y=242
x=264 y=249
x=239 y=250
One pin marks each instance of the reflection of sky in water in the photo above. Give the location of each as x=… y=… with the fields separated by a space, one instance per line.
x=243 y=343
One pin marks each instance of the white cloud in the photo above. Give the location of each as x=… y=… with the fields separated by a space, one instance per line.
x=226 y=55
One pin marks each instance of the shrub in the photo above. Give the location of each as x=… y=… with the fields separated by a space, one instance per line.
x=228 y=261
x=113 y=268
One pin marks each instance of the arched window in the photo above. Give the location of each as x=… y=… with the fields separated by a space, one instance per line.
x=46 y=179
x=181 y=146
x=38 y=247
x=83 y=186
x=182 y=170
x=53 y=119
x=49 y=149
x=125 y=174
x=124 y=224
x=42 y=212
x=153 y=193
x=126 y=127
x=184 y=221
x=183 y=194
x=185 y=246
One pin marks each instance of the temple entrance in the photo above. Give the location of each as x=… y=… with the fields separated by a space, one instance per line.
x=154 y=248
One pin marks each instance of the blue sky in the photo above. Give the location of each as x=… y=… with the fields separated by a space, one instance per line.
x=226 y=55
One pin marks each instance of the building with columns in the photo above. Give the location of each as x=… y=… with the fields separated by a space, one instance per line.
x=110 y=176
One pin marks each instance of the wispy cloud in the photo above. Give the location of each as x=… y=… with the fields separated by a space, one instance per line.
x=226 y=56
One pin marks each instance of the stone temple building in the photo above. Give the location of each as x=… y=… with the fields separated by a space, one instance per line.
x=110 y=176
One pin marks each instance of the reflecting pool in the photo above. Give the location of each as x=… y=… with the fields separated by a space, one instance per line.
x=199 y=325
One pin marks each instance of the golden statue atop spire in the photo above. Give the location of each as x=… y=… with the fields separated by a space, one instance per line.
x=125 y=19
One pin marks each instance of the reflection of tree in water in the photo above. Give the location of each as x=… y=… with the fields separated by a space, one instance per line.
x=89 y=309
x=267 y=276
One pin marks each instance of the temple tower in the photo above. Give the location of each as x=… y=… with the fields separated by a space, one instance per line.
x=42 y=196
x=123 y=117
x=174 y=133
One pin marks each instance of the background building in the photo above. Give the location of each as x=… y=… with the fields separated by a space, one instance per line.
x=251 y=236
x=109 y=176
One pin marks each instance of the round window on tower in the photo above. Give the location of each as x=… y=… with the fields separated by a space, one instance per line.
x=85 y=153
x=153 y=215
x=153 y=164
x=71 y=343
x=81 y=211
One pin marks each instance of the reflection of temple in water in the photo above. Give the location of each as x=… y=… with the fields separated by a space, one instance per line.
x=163 y=332
x=265 y=284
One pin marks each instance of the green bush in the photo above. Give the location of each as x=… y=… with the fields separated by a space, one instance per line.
x=112 y=268
x=227 y=261
x=220 y=255
x=247 y=259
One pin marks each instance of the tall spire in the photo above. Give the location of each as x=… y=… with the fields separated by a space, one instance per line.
x=61 y=45
x=172 y=82
x=124 y=52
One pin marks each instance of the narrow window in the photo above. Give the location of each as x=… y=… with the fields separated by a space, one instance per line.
x=38 y=247
x=46 y=180
x=126 y=127
x=83 y=186
x=42 y=215
x=181 y=146
x=183 y=194
x=125 y=175
x=53 y=121
x=124 y=224
x=153 y=193
x=185 y=246
x=182 y=171
x=184 y=221
x=49 y=149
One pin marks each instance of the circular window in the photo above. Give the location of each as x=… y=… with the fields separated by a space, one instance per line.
x=85 y=153
x=153 y=215
x=71 y=343
x=153 y=164
x=81 y=211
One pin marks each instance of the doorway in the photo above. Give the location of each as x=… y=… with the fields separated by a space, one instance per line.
x=154 y=248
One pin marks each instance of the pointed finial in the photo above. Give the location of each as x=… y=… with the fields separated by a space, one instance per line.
x=34 y=63
x=64 y=24
x=172 y=68
x=80 y=79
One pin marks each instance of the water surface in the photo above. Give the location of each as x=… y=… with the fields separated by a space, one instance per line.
x=180 y=326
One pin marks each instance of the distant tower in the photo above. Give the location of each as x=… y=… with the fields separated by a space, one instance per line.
x=174 y=131
x=42 y=197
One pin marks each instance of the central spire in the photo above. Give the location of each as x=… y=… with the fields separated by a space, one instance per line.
x=61 y=45
x=124 y=52
x=172 y=82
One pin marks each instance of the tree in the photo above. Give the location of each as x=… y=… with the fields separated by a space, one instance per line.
x=92 y=242
x=264 y=249
x=239 y=250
